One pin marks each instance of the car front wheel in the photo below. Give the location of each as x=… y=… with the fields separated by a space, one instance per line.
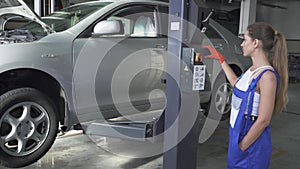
x=28 y=126
x=220 y=104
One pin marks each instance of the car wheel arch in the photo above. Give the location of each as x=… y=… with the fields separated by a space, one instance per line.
x=46 y=83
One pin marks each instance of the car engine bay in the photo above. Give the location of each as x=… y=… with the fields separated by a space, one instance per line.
x=16 y=36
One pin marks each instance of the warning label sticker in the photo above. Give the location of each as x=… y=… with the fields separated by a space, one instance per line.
x=199 y=77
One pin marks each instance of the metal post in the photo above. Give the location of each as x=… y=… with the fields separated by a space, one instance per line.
x=183 y=154
x=44 y=8
x=247 y=14
x=37 y=7
x=52 y=7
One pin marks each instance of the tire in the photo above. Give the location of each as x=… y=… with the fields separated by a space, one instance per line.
x=220 y=104
x=28 y=126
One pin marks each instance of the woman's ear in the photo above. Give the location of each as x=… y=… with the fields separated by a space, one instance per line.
x=256 y=43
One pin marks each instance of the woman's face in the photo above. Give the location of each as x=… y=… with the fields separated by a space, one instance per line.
x=247 y=45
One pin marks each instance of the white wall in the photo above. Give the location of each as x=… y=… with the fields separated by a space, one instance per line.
x=285 y=20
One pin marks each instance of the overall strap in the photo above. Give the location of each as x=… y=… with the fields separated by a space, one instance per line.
x=253 y=86
x=255 y=80
x=252 y=89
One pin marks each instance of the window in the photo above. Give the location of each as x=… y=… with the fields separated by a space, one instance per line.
x=138 y=20
x=143 y=26
x=68 y=17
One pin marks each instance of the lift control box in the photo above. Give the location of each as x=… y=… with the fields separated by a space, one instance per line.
x=193 y=70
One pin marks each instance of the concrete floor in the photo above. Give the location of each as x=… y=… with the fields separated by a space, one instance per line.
x=75 y=150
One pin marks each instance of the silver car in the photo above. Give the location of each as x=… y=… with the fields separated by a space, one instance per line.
x=102 y=56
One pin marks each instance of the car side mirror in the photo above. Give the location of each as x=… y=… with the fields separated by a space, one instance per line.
x=109 y=27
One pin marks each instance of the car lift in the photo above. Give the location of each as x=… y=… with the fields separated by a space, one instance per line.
x=180 y=120
x=183 y=155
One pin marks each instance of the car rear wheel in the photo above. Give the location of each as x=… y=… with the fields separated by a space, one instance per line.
x=28 y=126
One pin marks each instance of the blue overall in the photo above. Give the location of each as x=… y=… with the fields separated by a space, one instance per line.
x=258 y=155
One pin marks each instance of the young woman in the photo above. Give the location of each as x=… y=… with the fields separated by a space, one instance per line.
x=257 y=94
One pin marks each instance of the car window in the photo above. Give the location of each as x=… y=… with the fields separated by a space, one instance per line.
x=138 y=20
x=68 y=17
x=163 y=18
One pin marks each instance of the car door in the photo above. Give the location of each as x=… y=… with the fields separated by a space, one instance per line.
x=130 y=71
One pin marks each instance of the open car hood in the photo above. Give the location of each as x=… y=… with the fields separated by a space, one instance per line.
x=10 y=8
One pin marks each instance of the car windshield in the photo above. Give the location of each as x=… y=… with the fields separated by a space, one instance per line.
x=65 y=18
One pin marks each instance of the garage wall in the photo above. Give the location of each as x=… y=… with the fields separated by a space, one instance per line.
x=285 y=20
x=293 y=47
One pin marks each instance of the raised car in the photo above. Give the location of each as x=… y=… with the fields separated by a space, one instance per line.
x=101 y=56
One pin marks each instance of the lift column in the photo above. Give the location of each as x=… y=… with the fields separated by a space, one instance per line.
x=247 y=14
x=180 y=145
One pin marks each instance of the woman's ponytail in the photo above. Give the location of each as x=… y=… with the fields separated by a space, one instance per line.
x=280 y=64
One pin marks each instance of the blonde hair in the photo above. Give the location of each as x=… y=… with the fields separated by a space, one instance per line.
x=273 y=39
